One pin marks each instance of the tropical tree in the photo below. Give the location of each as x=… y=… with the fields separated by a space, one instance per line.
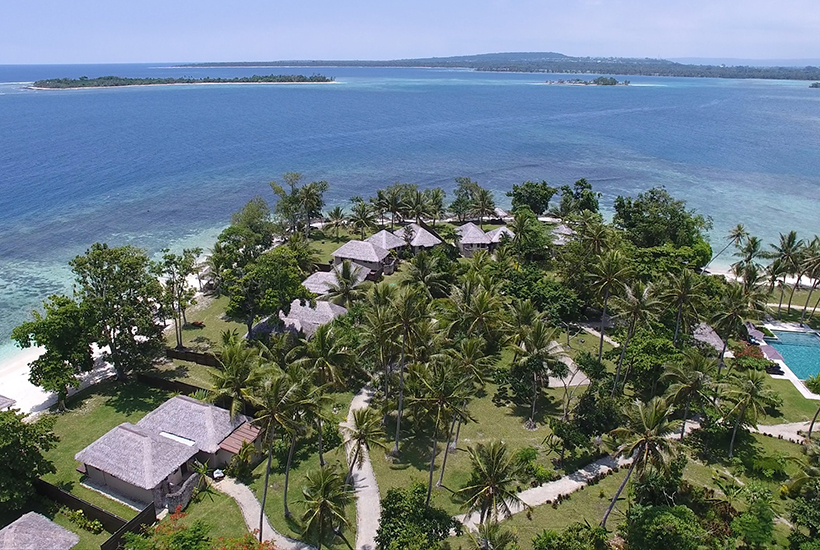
x=362 y=434
x=345 y=288
x=788 y=253
x=813 y=384
x=683 y=293
x=326 y=496
x=811 y=265
x=644 y=438
x=491 y=490
x=424 y=270
x=690 y=380
x=238 y=374
x=539 y=356
x=492 y=536
x=323 y=354
x=378 y=340
x=608 y=277
x=23 y=445
x=637 y=307
x=736 y=305
x=362 y=218
x=735 y=236
x=750 y=394
x=336 y=220
x=435 y=199
x=418 y=205
x=394 y=200
x=483 y=205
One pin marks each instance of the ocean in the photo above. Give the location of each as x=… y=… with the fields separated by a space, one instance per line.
x=167 y=165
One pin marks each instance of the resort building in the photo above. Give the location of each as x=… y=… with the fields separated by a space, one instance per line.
x=498 y=235
x=35 y=532
x=375 y=258
x=386 y=240
x=561 y=234
x=416 y=237
x=306 y=318
x=321 y=282
x=6 y=403
x=471 y=238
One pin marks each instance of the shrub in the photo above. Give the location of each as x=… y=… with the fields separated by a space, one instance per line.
x=78 y=518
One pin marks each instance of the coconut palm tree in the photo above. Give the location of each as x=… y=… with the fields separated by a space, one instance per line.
x=749 y=251
x=811 y=264
x=750 y=394
x=483 y=205
x=237 y=375
x=540 y=355
x=394 y=200
x=346 y=286
x=736 y=305
x=735 y=236
x=424 y=270
x=691 y=380
x=361 y=218
x=326 y=496
x=418 y=205
x=435 y=199
x=378 y=340
x=365 y=432
x=492 y=536
x=444 y=391
x=644 y=438
x=787 y=252
x=491 y=490
x=637 y=306
x=683 y=292
x=304 y=408
x=336 y=220
x=379 y=204
x=304 y=253
x=813 y=384
x=323 y=354
x=608 y=276
x=483 y=316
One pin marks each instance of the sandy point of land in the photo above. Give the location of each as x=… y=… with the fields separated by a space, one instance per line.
x=176 y=84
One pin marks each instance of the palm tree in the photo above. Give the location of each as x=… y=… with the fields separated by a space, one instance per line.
x=304 y=252
x=608 y=277
x=305 y=407
x=690 y=379
x=637 y=306
x=237 y=375
x=788 y=252
x=435 y=199
x=483 y=315
x=443 y=395
x=683 y=292
x=424 y=270
x=736 y=236
x=394 y=200
x=418 y=205
x=483 y=205
x=323 y=354
x=492 y=536
x=495 y=475
x=336 y=220
x=275 y=400
x=751 y=395
x=813 y=384
x=379 y=204
x=361 y=217
x=749 y=250
x=311 y=198
x=736 y=305
x=325 y=497
x=345 y=288
x=379 y=339
x=811 y=265
x=644 y=437
x=540 y=354
x=365 y=432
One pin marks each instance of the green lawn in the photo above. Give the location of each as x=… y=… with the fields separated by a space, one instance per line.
x=184 y=371
x=795 y=407
x=219 y=511
x=306 y=458
x=50 y=509
x=799 y=299
x=91 y=413
x=211 y=312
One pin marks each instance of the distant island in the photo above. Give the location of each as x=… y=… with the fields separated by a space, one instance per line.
x=600 y=81
x=117 y=81
x=552 y=62
x=814 y=85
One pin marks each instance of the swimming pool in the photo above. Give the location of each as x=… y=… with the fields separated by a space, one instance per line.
x=800 y=351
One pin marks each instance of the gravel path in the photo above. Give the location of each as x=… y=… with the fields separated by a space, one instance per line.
x=368 y=503
x=250 y=507
x=786 y=431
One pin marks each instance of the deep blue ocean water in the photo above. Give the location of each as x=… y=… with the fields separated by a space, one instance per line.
x=159 y=166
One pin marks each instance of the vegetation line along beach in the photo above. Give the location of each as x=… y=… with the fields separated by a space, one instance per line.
x=118 y=81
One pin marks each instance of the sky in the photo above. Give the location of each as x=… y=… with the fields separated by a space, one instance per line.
x=121 y=31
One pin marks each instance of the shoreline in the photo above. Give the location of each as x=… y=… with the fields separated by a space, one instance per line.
x=173 y=84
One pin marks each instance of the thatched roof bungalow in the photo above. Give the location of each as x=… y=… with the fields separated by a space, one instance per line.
x=35 y=532
x=386 y=240
x=306 y=318
x=499 y=234
x=471 y=238
x=367 y=254
x=707 y=336
x=417 y=237
x=6 y=403
x=321 y=282
x=561 y=234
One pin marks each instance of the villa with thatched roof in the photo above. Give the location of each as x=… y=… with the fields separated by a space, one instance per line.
x=138 y=464
x=372 y=256
x=306 y=318
x=386 y=240
x=416 y=237
x=321 y=282
x=561 y=234
x=498 y=235
x=471 y=238
x=35 y=532
x=205 y=424
x=6 y=403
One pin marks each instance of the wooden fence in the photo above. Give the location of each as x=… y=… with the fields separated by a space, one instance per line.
x=207 y=359
x=148 y=516
x=110 y=522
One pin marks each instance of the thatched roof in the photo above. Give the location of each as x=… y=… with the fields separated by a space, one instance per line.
x=470 y=233
x=497 y=235
x=35 y=532
x=306 y=319
x=562 y=229
x=321 y=282
x=137 y=456
x=420 y=237
x=6 y=402
x=386 y=240
x=186 y=417
x=362 y=251
x=705 y=334
x=501 y=213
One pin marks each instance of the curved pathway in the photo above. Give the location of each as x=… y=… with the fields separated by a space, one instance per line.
x=368 y=500
x=250 y=507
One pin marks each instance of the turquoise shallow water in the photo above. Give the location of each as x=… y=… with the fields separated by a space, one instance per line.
x=800 y=351
x=167 y=165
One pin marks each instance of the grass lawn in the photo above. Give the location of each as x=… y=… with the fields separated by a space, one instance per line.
x=211 y=312
x=50 y=509
x=91 y=413
x=306 y=458
x=799 y=299
x=184 y=371
x=219 y=511
x=795 y=407
x=492 y=422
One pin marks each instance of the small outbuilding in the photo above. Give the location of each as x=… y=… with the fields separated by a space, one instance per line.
x=471 y=238
x=33 y=531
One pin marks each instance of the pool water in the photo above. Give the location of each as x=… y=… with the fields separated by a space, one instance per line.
x=800 y=351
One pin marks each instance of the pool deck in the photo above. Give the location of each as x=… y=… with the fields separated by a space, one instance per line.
x=773 y=355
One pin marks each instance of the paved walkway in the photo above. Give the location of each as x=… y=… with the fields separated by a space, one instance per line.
x=597 y=334
x=368 y=500
x=786 y=431
x=250 y=507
